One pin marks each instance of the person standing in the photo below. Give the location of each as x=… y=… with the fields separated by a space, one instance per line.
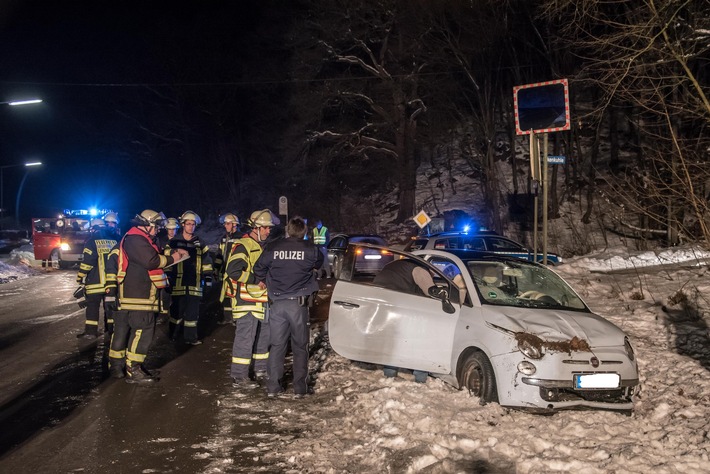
x=92 y=274
x=231 y=227
x=186 y=279
x=251 y=337
x=286 y=269
x=141 y=280
x=168 y=232
x=111 y=219
x=321 y=238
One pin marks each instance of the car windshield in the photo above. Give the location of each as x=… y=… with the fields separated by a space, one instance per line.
x=522 y=284
x=369 y=240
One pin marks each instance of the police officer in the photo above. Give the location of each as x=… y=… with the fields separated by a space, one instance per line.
x=251 y=337
x=321 y=238
x=186 y=279
x=141 y=279
x=231 y=227
x=92 y=274
x=286 y=269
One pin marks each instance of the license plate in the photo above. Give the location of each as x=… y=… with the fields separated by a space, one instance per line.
x=373 y=257
x=597 y=381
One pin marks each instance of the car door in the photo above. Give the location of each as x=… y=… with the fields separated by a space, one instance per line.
x=383 y=326
x=503 y=246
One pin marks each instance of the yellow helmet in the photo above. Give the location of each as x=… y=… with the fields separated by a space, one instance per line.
x=172 y=223
x=149 y=218
x=263 y=218
x=228 y=217
x=190 y=216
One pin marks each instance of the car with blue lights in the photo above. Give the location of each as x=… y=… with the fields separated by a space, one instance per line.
x=519 y=335
x=481 y=241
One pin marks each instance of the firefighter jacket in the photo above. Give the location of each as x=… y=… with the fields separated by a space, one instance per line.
x=321 y=236
x=240 y=281
x=287 y=265
x=112 y=270
x=92 y=270
x=140 y=272
x=225 y=248
x=186 y=276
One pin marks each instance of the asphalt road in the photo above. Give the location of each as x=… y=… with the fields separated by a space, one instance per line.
x=61 y=413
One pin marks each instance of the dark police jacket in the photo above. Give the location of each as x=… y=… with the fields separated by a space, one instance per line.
x=286 y=265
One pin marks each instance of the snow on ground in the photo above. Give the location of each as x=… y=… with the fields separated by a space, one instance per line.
x=359 y=421
x=18 y=265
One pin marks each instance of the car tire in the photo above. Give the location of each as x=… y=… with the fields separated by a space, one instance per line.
x=478 y=378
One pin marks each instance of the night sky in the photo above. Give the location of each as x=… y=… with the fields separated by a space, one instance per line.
x=89 y=61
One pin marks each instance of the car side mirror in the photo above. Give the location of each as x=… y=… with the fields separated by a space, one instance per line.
x=442 y=293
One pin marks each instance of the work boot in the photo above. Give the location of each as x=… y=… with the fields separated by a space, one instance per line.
x=137 y=374
x=243 y=383
x=117 y=372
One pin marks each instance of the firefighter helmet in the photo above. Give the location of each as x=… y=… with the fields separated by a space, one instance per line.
x=172 y=223
x=228 y=217
x=190 y=216
x=96 y=222
x=263 y=218
x=111 y=217
x=150 y=218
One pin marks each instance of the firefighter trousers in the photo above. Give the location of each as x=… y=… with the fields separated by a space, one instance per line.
x=185 y=312
x=93 y=305
x=132 y=336
x=251 y=344
x=288 y=321
x=119 y=340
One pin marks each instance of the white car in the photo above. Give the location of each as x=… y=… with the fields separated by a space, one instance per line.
x=520 y=336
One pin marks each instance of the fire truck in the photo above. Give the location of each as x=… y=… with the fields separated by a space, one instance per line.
x=59 y=241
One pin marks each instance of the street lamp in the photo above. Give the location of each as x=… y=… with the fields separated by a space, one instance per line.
x=2 y=185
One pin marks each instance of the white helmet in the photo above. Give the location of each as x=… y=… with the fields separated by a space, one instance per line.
x=150 y=218
x=112 y=217
x=96 y=222
x=228 y=217
x=190 y=216
x=263 y=218
x=172 y=223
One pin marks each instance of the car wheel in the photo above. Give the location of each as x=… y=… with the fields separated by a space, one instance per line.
x=478 y=378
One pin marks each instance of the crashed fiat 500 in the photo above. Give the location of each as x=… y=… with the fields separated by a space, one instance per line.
x=508 y=330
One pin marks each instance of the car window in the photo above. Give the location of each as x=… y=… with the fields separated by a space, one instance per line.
x=446 y=243
x=416 y=244
x=369 y=240
x=452 y=271
x=338 y=243
x=473 y=243
x=498 y=244
x=522 y=284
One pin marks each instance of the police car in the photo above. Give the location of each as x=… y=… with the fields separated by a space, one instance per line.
x=481 y=241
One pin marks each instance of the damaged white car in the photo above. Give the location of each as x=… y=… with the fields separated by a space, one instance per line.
x=508 y=330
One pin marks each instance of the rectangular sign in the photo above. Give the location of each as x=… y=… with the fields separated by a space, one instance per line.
x=597 y=381
x=556 y=159
x=542 y=107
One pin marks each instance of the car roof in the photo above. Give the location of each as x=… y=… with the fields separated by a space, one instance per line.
x=350 y=236
x=458 y=233
x=466 y=255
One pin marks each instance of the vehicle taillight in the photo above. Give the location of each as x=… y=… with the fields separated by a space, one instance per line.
x=386 y=252
x=358 y=251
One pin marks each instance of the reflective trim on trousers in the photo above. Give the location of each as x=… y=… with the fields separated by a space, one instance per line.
x=237 y=360
x=116 y=354
x=260 y=356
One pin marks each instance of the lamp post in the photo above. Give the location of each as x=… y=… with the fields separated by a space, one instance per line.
x=14 y=103
x=2 y=187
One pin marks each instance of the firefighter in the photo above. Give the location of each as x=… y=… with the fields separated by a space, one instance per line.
x=111 y=219
x=168 y=232
x=141 y=280
x=231 y=226
x=186 y=279
x=119 y=338
x=92 y=274
x=321 y=238
x=251 y=337
x=286 y=269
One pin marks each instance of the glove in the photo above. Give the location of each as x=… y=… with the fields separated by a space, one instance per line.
x=111 y=291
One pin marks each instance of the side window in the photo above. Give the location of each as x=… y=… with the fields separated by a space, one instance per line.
x=338 y=243
x=504 y=244
x=447 y=243
x=474 y=243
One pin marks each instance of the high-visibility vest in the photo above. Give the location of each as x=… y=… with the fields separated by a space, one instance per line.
x=319 y=235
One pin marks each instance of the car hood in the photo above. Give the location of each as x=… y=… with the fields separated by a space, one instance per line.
x=558 y=326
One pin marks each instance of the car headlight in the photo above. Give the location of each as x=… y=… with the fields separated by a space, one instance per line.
x=526 y=367
x=531 y=346
x=629 y=349
x=64 y=246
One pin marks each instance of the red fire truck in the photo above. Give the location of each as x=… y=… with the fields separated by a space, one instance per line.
x=59 y=241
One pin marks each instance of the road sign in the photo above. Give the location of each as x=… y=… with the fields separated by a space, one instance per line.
x=556 y=159
x=422 y=219
x=283 y=206
x=541 y=107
